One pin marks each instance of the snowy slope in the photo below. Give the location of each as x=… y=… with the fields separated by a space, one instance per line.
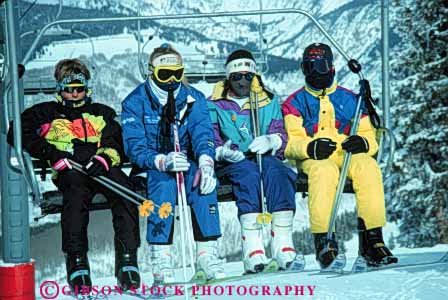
x=416 y=282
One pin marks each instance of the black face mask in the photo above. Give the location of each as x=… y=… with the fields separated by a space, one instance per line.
x=241 y=87
x=320 y=81
x=168 y=85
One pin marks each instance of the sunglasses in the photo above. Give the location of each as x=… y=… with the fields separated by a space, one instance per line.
x=164 y=74
x=320 y=66
x=71 y=89
x=239 y=76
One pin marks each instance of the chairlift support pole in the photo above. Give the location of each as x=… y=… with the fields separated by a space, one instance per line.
x=139 y=36
x=14 y=193
x=385 y=103
x=15 y=210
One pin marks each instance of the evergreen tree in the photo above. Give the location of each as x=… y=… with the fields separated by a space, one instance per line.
x=420 y=109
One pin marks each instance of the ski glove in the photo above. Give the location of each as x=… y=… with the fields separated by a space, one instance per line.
x=320 y=148
x=227 y=154
x=265 y=143
x=172 y=162
x=98 y=165
x=61 y=165
x=206 y=173
x=355 y=144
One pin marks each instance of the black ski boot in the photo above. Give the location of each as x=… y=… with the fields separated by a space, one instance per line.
x=78 y=273
x=126 y=269
x=325 y=256
x=372 y=247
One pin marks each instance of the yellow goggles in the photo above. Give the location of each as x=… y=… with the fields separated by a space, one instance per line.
x=164 y=74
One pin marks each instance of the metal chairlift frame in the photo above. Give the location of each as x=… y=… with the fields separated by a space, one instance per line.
x=50 y=88
x=260 y=56
x=44 y=29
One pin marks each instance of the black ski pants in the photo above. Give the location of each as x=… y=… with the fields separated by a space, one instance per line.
x=78 y=191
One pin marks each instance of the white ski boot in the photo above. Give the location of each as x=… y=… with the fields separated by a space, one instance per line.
x=207 y=260
x=282 y=246
x=254 y=257
x=162 y=264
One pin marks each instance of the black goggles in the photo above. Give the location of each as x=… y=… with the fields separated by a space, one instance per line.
x=71 y=89
x=320 y=66
x=239 y=76
x=165 y=74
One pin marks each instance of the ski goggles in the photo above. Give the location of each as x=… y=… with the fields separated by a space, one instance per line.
x=164 y=74
x=71 y=81
x=70 y=89
x=320 y=66
x=238 y=76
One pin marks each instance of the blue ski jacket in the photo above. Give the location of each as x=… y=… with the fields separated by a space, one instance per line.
x=141 y=122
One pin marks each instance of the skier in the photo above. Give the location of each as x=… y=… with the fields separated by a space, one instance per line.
x=72 y=127
x=147 y=117
x=317 y=119
x=229 y=108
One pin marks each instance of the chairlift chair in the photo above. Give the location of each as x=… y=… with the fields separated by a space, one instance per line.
x=49 y=203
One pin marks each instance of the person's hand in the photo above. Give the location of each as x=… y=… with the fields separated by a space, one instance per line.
x=206 y=174
x=265 y=143
x=320 y=148
x=172 y=162
x=355 y=144
x=97 y=166
x=61 y=165
x=225 y=153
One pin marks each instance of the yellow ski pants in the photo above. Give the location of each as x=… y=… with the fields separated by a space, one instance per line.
x=323 y=176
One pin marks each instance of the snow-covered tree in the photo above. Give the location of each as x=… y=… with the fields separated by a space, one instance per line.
x=418 y=191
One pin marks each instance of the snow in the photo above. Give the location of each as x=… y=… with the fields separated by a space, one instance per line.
x=416 y=282
x=7 y=265
x=106 y=45
x=328 y=6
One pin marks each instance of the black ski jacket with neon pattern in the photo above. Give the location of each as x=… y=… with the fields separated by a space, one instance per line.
x=51 y=131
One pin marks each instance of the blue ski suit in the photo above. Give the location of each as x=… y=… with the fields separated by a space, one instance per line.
x=143 y=140
x=232 y=122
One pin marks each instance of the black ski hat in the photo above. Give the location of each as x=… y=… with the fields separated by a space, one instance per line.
x=318 y=51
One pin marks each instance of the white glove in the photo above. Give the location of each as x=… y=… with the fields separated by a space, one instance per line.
x=226 y=153
x=206 y=173
x=265 y=143
x=173 y=162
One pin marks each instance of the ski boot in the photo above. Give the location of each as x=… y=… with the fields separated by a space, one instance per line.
x=207 y=260
x=282 y=246
x=372 y=247
x=327 y=253
x=254 y=257
x=126 y=269
x=163 y=268
x=78 y=273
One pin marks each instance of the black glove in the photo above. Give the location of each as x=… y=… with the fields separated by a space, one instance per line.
x=321 y=148
x=355 y=144
x=98 y=165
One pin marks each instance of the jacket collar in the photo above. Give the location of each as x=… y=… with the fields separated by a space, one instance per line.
x=317 y=93
x=159 y=94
